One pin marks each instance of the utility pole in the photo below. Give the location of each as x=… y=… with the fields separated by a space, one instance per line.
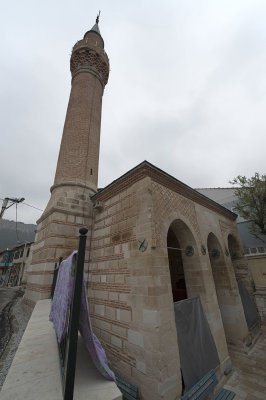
x=5 y=205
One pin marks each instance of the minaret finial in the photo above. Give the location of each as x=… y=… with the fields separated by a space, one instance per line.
x=98 y=16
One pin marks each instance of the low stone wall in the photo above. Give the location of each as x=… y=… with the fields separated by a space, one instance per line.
x=260 y=297
x=35 y=371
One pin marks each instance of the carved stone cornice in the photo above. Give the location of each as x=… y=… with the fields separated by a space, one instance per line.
x=88 y=60
x=157 y=175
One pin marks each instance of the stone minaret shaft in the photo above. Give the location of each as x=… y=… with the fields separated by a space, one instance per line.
x=79 y=152
x=77 y=168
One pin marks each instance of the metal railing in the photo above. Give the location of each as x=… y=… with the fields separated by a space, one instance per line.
x=68 y=346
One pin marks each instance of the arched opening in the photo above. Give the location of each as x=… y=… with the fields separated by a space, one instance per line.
x=181 y=249
x=182 y=256
x=244 y=281
x=219 y=270
x=235 y=254
x=197 y=349
x=179 y=291
x=221 y=280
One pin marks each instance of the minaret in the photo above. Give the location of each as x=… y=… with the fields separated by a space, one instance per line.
x=79 y=153
x=76 y=174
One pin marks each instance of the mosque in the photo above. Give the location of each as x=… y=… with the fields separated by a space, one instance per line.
x=152 y=242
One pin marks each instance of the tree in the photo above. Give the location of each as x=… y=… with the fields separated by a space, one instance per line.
x=251 y=203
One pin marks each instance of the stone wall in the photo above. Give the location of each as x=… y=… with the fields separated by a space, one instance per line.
x=129 y=283
x=114 y=235
x=260 y=298
x=257 y=266
x=57 y=236
x=129 y=290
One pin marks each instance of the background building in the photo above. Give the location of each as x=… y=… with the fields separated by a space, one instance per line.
x=14 y=264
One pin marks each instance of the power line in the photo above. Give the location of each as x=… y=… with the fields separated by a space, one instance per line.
x=5 y=205
x=29 y=205
x=36 y=208
x=17 y=223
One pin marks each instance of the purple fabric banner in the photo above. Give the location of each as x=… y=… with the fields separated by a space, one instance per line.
x=60 y=312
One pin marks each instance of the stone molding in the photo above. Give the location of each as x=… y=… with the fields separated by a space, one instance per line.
x=72 y=183
x=45 y=215
x=157 y=175
x=88 y=60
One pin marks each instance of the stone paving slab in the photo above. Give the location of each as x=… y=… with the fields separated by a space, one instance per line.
x=248 y=379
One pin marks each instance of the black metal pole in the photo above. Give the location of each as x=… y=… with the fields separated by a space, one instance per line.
x=74 y=318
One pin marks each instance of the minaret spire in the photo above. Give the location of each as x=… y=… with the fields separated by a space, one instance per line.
x=95 y=27
x=98 y=16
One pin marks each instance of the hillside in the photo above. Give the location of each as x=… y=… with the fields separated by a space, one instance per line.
x=8 y=236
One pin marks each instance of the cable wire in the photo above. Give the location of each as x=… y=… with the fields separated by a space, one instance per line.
x=17 y=222
x=29 y=205
x=36 y=208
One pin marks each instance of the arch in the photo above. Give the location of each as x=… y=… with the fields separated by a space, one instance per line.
x=242 y=273
x=198 y=280
x=234 y=247
x=221 y=281
x=182 y=258
x=239 y=262
x=227 y=293
x=219 y=268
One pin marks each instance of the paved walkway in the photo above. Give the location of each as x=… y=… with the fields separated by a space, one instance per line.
x=248 y=380
x=14 y=316
x=8 y=297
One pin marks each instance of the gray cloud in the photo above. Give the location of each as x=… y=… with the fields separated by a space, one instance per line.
x=186 y=90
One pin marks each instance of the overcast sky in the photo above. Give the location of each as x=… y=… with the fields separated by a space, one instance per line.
x=186 y=91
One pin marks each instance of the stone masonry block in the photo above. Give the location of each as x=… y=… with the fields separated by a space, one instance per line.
x=136 y=338
x=141 y=366
x=119 y=330
x=125 y=315
x=110 y=312
x=99 y=309
x=123 y=296
x=113 y=296
x=105 y=336
x=110 y=278
x=102 y=325
x=151 y=318
x=100 y=294
x=119 y=278
x=167 y=385
x=116 y=341
x=80 y=220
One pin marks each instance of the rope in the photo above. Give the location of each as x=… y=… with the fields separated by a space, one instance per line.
x=177 y=248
